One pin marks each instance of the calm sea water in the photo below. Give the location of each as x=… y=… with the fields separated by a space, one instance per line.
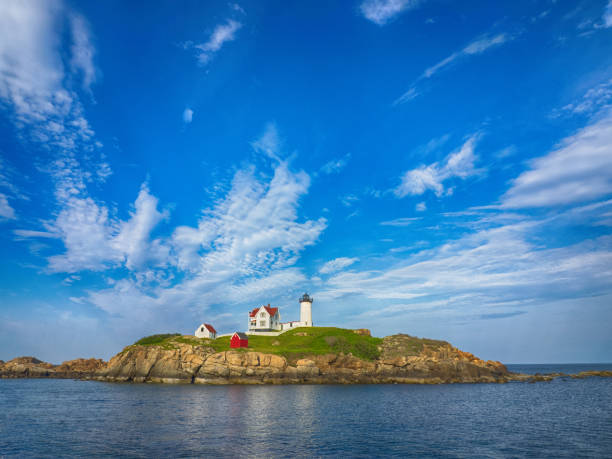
x=563 y=418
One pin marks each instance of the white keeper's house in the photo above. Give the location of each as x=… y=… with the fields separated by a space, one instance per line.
x=267 y=318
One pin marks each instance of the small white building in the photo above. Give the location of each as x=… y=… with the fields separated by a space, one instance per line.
x=206 y=331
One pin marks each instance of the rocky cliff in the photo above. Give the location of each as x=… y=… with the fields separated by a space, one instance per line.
x=184 y=359
x=398 y=363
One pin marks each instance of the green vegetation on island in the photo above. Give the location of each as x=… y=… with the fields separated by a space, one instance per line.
x=292 y=345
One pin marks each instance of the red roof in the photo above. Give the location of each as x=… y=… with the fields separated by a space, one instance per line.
x=271 y=311
x=210 y=328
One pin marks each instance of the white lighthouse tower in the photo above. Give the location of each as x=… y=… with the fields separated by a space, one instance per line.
x=306 y=310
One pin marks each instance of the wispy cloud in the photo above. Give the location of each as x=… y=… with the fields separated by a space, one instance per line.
x=336 y=165
x=82 y=60
x=8 y=179
x=595 y=99
x=459 y=164
x=37 y=87
x=6 y=211
x=495 y=264
x=478 y=46
x=187 y=115
x=222 y=34
x=30 y=233
x=245 y=245
x=269 y=143
x=403 y=221
x=607 y=16
x=579 y=170
x=412 y=93
x=382 y=11
x=96 y=241
x=501 y=315
x=32 y=73
x=337 y=264
x=237 y=7
x=45 y=111
x=349 y=199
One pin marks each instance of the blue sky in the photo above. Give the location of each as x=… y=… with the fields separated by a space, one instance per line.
x=437 y=168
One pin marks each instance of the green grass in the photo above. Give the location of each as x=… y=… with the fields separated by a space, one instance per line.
x=293 y=345
x=156 y=339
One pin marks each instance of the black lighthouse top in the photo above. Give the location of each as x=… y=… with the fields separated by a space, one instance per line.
x=305 y=298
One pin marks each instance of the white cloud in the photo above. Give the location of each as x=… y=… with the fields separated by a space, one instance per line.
x=95 y=241
x=269 y=142
x=29 y=73
x=349 y=199
x=607 y=16
x=412 y=93
x=8 y=175
x=420 y=207
x=505 y=152
x=458 y=164
x=6 y=211
x=133 y=237
x=594 y=100
x=29 y=233
x=336 y=165
x=241 y=250
x=32 y=73
x=253 y=229
x=433 y=145
x=403 y=221
x=86 y=231
x=187 y=115
x=36 y=89
x=579 y=170
x=337 y=264
x=478 y=46
x=222 y=34
x=237 y=7
x=381 y=11
x=83 y=51
x=491 y=265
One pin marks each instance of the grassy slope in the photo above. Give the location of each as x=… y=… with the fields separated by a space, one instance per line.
x=292 y=344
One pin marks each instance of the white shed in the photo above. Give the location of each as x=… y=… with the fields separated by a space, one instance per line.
x=206 y=331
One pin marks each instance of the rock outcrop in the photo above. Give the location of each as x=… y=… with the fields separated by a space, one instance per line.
x=398 y=363
x=31 y=367
x=401 y=359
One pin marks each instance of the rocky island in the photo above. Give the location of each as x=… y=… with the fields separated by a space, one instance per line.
x=314 y=355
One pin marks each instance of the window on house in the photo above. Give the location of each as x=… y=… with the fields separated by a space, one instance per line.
x=262 y=314
x=262 y=323
x=202 y=329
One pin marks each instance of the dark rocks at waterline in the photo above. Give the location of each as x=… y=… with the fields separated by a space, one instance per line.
x=31 y=367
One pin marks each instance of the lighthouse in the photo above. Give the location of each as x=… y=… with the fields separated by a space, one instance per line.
x=306 y=310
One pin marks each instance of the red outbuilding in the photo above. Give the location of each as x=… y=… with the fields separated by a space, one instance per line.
x=239 y=339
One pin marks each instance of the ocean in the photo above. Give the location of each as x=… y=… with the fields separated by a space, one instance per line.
x=562 y=418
